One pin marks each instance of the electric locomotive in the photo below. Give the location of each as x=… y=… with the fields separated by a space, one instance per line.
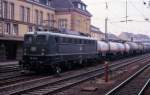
x=53 y=51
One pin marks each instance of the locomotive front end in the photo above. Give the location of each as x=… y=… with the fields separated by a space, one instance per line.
x=35 y=52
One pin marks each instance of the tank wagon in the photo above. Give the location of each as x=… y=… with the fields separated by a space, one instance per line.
x=55 y=51
x=146 y=47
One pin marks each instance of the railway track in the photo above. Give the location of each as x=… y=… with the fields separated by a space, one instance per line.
x=7 y=71
x=9 y=68
x=44 y=86
x=145 y=88
x=13 y=77
x=134 y=84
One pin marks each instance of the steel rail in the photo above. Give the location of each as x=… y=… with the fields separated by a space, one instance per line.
x=27 y=87
x=81 y=78
x=114 y=90
x=10 y=80
x=144 y=88
x=10 y=75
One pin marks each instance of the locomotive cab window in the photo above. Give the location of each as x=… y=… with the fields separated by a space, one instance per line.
x=28 y=39
x=41 y=39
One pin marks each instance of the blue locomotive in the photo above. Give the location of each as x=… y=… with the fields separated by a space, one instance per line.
x=47 y=50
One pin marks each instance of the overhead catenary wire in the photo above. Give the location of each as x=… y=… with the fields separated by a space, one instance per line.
x=114 y=18
x=141 y=13
x=138 y=10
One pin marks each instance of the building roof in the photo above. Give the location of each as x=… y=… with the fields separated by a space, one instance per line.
x=113 y=37
x=62 y=5
x=78 y=1
x=68 y=5
x=95 y=29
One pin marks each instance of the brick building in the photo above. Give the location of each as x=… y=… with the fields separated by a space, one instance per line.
x=20 y=16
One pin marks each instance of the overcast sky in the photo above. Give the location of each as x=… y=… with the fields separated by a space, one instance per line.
x=116 y=12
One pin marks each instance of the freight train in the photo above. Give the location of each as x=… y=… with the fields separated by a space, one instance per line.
x=53 y=51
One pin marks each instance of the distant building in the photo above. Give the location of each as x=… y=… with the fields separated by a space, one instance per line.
x=133 y=37
x=141 y=38
x=96 y=33
x=20 y=16
x=126 y=36
x=113 y=37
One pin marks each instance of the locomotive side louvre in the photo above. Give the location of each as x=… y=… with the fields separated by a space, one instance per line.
x=76 y=48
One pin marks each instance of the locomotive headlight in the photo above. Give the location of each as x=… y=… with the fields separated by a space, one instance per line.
x=42 y=53
x=25 y=52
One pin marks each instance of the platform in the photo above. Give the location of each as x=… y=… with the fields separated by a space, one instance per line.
x=7 y=63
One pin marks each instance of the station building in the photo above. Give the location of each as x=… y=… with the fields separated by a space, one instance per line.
x=96 y=33
x=20 y=16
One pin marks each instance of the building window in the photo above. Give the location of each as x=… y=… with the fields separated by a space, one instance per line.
x=30 y=29
x=36 y=16
x=62 y=23
x=84 y=7
x=78 y=22
x=79 y=6
x=28 y=14
x=15 y=29
x=1 y=28
x=52 y=20
x=5 y=9
x=49 y=2
x=36 y=0
x=1 y=9
x=22 y=13
x=75 y=5
x=7 y=28
x=49 y=20
x=12 y=10
x=41 y=18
